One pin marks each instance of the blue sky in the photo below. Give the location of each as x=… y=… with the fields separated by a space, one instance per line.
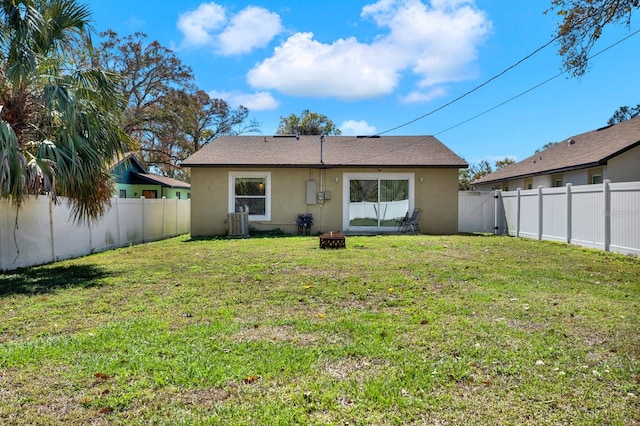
x=372 y=66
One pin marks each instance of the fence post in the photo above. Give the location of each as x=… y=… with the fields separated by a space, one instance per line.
x=518 y=212
x=90 y=237
x=143 y=221
x=164 y=209
x=53 y=247
x=176 y=221
x=496 y=213
x=540 y=215
x=569 y=213
x=117 y=199
x=606 y=190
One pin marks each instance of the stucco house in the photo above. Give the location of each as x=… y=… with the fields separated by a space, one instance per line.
x=133 y=180
x=350 y=184
x=611 y=152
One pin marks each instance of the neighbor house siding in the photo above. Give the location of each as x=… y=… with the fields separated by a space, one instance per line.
x=624 y=167
x=574 y=177
x=135 y=191
x=436 y=194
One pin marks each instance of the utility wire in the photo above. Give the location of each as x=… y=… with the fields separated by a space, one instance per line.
x=500 y=74
x=505 y=102
x=536 y=86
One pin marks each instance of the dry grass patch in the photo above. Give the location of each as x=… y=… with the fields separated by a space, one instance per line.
x=286 y=334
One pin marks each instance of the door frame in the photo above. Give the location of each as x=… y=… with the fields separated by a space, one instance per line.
x=346 y=196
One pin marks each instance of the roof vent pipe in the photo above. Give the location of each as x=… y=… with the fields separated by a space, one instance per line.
x=571 y=142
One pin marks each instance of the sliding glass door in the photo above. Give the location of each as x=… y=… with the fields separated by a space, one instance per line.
x=375 y=202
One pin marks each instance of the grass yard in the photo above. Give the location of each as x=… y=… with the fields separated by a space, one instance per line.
x=392 y=330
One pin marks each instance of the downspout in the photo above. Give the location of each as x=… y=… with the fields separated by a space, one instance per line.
x=321 y=180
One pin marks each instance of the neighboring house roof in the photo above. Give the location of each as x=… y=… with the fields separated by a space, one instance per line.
x=159 y=180
x=586 y=150
x=306 y=151
x=131 y=171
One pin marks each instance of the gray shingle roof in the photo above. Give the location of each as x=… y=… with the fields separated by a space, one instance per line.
x=587 y=150
x=289 y=151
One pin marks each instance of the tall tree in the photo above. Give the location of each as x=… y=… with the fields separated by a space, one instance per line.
x=504 y=162
x=624 y=113
x=474 y=172
x=478 y=170
x=166 y=114
x=59 y=123
x=150 y=76
x=308 y=123
x=546 y=146
x=581 y=25
x=194 y=120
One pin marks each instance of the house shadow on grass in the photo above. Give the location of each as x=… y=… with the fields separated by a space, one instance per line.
x=43 y=280
x=253 y=234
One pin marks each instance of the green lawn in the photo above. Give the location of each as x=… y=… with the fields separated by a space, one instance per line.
x=392 y=330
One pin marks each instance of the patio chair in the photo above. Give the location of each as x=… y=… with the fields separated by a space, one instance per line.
x=411 y=223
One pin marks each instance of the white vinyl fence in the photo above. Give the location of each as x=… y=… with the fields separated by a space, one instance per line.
x=42 y=232
x=604 y=216
x=477 y=211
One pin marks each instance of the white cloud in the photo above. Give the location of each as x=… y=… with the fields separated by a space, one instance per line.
x=428 y=96
x=357 y=128
x=208 y=26
x=259 y=101
x=346 y=69
x=197 y=24
x=253 y=27
x=438 y=43
x=134 y=23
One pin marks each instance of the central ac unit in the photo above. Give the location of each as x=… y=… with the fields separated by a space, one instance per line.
x=238 y=224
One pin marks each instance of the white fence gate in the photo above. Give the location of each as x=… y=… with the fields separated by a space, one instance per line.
x=477 y=211
x=42 y=232
x=604 y=216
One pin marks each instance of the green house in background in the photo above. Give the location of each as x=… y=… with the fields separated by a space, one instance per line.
x=132 y=180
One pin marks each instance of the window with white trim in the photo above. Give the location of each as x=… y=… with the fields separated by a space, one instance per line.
x=595 y=175
x=250 y=191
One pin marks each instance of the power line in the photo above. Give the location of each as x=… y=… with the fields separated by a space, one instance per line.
x=500 y=74
x=508 y=100
x=536 y=86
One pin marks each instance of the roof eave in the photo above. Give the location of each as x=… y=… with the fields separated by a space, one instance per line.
x=622 y=151
x=325 y=165
x=158 y=182
x=542 y=172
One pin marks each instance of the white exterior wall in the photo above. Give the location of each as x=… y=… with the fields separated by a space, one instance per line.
x=575 y=177
x=625 y=167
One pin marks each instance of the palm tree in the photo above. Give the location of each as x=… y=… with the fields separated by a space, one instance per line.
x=59 y=119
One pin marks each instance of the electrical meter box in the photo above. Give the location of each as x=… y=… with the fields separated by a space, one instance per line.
x=311 y=192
